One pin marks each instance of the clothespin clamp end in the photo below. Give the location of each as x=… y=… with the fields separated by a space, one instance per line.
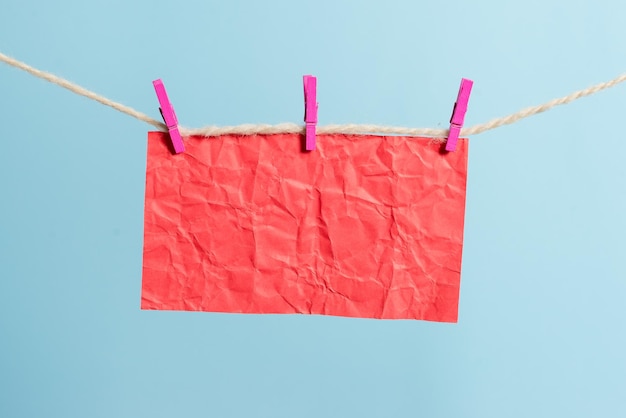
x=310 y=110
x=458 y=113
x=169 y=116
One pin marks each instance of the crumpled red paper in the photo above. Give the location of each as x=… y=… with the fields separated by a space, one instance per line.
x=364 y=226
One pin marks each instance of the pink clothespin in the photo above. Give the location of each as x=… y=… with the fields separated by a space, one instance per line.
x=310 y=110
x=458 y=113
x=169 y=116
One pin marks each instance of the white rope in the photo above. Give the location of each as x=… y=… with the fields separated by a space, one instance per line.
x=533 y=110
x=250 y=129
x=75 y=88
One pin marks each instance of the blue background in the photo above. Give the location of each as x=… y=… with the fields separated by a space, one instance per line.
x=541 y=330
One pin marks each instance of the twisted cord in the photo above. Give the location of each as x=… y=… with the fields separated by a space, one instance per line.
x=75 y=88
x=251 y=129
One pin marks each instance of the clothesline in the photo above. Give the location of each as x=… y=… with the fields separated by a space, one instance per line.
x=249 y=129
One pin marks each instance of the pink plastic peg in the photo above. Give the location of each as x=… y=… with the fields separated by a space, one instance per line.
x=169 y=116
x=458 y=113
x=310 y=110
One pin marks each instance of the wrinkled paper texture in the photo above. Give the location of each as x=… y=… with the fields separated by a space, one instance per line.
x=364 y=226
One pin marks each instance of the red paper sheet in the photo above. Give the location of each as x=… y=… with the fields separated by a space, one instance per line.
x=364 y=226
